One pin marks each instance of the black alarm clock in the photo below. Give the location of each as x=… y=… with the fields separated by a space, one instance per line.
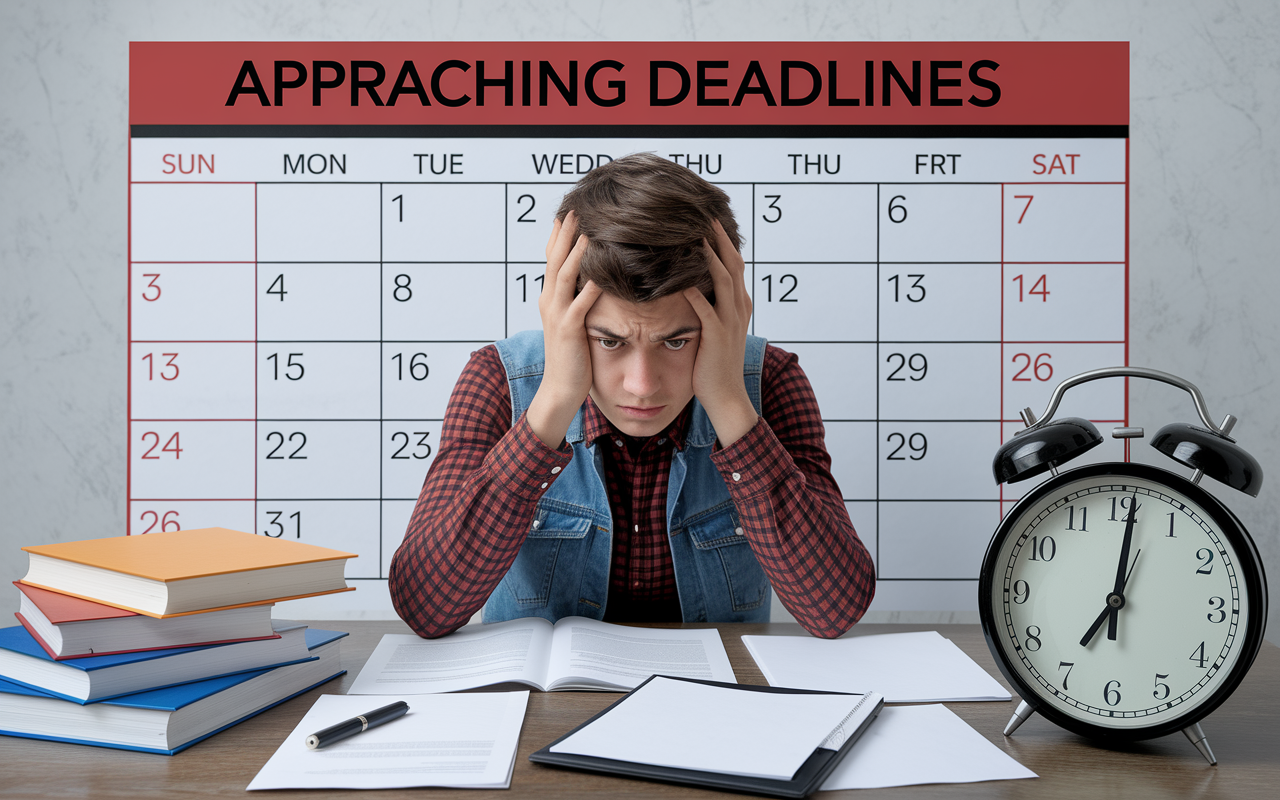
x=1123 y=601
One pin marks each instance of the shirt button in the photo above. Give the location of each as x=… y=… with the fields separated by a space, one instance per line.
x=544 y=486
x=637 y=529
x=617 y=443
x=662 y=441
x=738 y=531
x=737 y=477
x=555 y=470
x=536 y=523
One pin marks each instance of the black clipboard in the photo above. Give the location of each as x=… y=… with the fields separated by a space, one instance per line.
x=806 y=780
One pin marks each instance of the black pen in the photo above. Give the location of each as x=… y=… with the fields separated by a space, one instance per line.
x=351 y=727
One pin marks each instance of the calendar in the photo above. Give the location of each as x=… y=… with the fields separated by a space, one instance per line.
x=320 y=234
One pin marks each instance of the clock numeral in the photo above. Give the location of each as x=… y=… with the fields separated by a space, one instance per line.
x=1125 y=502
x=1218 y=608
x=1108 y=693
x=1207 y=566
x=1156 y=694
x=1197 y=656
x=1071 y=518
x=1021 y=592
x=1171 y=536
x=1045 y=548
x=1068 y=665
x=1033 y=637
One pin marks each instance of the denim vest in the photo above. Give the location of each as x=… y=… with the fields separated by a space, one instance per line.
x=563 y=567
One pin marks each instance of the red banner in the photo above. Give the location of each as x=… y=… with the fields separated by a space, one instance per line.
x=629 y=83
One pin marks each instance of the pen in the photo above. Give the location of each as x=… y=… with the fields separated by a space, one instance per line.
x=351 y=727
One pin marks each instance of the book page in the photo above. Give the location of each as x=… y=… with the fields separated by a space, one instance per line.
x=464 y=741
x=587 y=654
x=671 y=723
x=477 y=655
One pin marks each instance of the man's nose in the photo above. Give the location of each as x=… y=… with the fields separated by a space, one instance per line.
x=641 y=379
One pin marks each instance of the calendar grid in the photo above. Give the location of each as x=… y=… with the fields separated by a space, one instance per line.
x=861 y=364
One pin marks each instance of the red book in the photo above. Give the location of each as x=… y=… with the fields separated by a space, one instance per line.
x=69 y=627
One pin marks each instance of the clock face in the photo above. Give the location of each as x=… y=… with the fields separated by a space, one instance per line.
x=1118 y=598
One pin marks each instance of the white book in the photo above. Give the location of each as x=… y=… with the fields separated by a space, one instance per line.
x=575 y=653
x=916 y=667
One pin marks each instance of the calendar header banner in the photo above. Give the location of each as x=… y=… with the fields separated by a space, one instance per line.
x=724 y=84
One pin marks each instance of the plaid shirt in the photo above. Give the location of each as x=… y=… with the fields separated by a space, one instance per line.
x=482 y=491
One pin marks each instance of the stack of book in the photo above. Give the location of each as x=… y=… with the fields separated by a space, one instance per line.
x=156 y=642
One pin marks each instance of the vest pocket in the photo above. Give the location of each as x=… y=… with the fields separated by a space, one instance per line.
x=554 y=541
x=726 y=561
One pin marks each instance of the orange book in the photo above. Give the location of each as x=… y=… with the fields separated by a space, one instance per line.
x=186 y=572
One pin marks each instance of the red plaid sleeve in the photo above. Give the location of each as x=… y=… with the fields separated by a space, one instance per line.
x=476 y=504
x=779 y=476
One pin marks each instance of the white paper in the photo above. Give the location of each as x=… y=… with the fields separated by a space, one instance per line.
x=920 y=667
x=910 y=745
x=673 y=723
x=476 y=655
x=625 y=656
x=459 y=740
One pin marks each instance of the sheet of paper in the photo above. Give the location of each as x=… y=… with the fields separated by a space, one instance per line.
x=711 y=728
x=476 y=655
x=919 y=667
x=460 y=740
x=626 y=656
x=909 y=745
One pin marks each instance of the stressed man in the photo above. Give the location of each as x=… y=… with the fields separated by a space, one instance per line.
x=642 y=458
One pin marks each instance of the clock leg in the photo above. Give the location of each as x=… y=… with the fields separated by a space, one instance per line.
x=1196 y=736
x=1020 y=716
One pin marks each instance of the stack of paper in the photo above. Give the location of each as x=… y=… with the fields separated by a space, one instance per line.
x=687 y=725
x=459 y=740
x=911 y=745
x=922 y=667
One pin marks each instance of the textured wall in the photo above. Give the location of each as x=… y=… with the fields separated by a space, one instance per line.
x=1205 y=88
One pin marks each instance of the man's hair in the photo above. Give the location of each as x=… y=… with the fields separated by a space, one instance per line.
x=646 y=218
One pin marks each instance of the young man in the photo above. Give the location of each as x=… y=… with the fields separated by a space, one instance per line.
x=642 y=458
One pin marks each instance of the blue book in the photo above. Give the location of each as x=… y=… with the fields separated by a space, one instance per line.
x=169 y=720
x=89 y=680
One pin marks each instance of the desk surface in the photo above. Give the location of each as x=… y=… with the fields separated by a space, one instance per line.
x=1244 y=734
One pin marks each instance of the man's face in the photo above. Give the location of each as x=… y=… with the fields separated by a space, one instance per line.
x=642 y=358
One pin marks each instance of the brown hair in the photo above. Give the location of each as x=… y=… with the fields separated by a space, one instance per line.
x=645 y=218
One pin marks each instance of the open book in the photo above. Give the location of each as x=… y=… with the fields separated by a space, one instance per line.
x=575 y=653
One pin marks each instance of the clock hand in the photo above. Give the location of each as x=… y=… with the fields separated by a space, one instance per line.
x=1108 y=611
x=1115 y=609
x=1121 y=577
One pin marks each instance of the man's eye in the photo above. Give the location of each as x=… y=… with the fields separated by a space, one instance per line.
x=609 y=344
x=676 y=344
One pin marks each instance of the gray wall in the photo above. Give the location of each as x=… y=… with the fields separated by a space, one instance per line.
x=1205 y=88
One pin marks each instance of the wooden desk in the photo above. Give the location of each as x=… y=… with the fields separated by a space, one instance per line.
x=1244 y=734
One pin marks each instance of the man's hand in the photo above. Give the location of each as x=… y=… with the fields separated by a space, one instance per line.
x=717 y=373
x=566 y=380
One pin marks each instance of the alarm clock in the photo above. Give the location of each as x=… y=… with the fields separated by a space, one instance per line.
x=1121 y=600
